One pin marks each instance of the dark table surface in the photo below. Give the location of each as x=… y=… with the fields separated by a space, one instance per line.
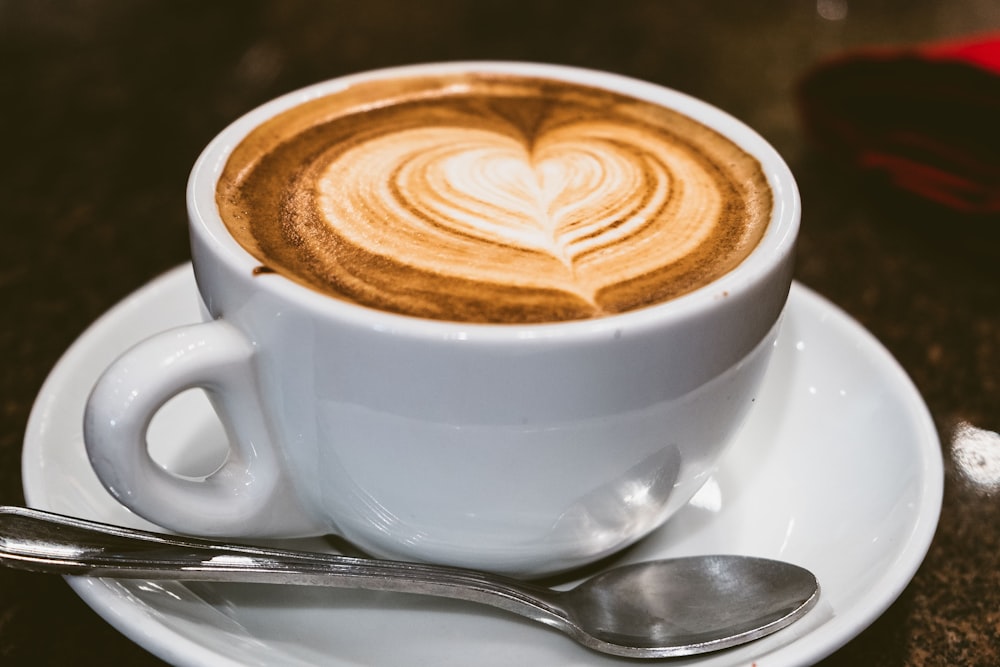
x=107 y=104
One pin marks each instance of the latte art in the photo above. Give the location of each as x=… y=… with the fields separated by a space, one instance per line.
x=494 y=200
x=456 y=190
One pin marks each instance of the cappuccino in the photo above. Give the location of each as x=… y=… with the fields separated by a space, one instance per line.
x=493 y=198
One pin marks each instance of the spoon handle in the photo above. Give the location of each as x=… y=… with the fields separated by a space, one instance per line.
x=44 y=542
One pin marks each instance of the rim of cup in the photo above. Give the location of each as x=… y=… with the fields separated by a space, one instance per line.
x=777 y=242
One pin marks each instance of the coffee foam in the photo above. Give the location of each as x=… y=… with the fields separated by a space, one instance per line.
x=493 y=199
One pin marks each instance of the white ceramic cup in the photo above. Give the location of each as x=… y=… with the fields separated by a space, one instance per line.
x=525 y=449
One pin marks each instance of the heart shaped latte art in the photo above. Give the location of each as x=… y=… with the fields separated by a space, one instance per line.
x=496 y=208
x=584 y=209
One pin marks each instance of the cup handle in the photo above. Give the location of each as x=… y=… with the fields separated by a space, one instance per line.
x=248 y=495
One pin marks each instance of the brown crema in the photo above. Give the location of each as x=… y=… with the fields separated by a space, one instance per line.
x=493 y=198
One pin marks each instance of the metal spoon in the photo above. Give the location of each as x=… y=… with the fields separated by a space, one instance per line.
x=655 y=609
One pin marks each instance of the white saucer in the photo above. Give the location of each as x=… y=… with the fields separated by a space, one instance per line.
x=839 y=470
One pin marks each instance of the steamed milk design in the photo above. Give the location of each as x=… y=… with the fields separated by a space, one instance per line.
x=493 y=198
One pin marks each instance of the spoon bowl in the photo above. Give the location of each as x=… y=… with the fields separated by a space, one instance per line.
x=656 y=609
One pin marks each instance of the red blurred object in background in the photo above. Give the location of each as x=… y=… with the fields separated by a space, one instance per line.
x=925 y=119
